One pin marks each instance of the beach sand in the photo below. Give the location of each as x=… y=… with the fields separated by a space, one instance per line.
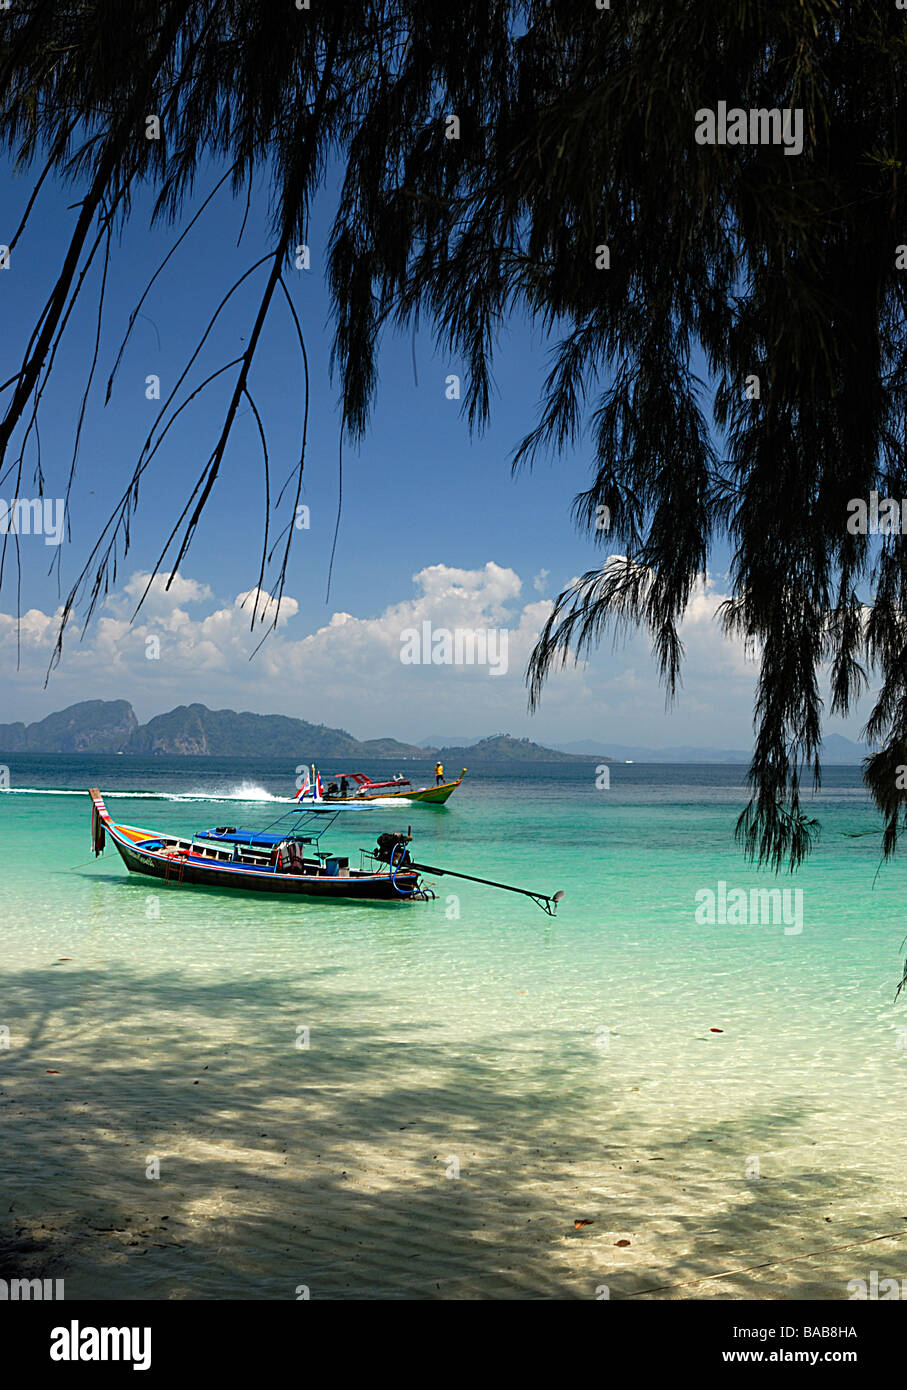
x=326 y=1168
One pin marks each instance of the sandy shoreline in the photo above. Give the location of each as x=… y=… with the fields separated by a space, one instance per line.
x=326 y=1167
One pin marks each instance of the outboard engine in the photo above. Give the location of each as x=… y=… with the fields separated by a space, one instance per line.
x=387 y=847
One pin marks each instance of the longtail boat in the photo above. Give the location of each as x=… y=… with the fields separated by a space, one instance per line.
x=281 y=860
x=278 y=860
x=400 y=788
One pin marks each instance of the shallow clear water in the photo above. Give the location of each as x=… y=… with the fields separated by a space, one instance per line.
x=568 y=1069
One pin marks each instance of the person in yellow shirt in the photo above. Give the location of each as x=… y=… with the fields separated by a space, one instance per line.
x=439 y=774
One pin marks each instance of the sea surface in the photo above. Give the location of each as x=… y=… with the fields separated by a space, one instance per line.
x=206 y=1095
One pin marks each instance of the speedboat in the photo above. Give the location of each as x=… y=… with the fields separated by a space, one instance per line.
x=399 y=787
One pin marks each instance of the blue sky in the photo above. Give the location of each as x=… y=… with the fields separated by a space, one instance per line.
x=420 y=490
x=427 y=509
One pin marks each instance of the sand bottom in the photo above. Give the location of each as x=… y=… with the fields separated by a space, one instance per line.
x=332 y=1169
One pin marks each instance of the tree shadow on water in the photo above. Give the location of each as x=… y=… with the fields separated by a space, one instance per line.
x=370 y=1157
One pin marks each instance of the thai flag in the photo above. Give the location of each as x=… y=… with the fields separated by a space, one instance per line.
x=304 y=790
x=319 y=789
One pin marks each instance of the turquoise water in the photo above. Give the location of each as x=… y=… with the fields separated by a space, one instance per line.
x=564 y=1069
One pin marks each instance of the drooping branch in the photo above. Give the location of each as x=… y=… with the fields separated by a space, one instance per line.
x=123 y=133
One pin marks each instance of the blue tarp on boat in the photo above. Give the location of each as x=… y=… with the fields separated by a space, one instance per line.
x=242 y=837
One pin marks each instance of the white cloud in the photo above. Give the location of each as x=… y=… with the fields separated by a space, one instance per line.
x=165 y=589
x=348 y=672
x=34 y=630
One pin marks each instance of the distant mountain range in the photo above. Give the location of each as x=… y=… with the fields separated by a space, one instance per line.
x=111 y=726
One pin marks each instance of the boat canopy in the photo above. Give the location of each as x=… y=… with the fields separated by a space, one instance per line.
x=242 y=837
x=364 y=781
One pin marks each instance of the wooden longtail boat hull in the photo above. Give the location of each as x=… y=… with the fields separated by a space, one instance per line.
x=134 y=848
